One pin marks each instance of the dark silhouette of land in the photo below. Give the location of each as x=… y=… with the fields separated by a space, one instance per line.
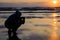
x=29 y=8
x=13 y=23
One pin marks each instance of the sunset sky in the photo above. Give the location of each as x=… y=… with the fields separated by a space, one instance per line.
x=24 y=0
x=51 y=3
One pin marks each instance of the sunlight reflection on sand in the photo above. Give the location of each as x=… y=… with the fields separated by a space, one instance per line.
x=54 y=35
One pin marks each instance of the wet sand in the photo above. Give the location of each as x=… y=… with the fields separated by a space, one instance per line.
x=35 y=29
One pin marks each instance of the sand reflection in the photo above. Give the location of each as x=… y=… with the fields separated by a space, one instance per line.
x=54 y=35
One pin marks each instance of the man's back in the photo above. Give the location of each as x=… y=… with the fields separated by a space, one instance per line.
x=12 y=20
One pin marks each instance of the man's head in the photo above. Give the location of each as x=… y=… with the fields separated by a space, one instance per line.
x=18 y=12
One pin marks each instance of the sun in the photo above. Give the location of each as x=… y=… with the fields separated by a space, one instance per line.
x=54 y=2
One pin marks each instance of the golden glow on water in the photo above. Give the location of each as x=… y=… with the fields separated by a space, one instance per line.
x=53 y=35
x=54 y=15
x=54 y=26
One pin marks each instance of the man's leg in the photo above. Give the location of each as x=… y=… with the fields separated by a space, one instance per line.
x=9 y=33
x=14 y=37
x=14 y=31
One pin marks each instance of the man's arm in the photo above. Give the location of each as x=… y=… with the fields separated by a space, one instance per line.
x=23 y=19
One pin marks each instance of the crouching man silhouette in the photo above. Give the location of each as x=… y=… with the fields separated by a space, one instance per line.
x=13 y=23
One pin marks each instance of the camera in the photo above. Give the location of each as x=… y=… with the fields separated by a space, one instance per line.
x=23 y=20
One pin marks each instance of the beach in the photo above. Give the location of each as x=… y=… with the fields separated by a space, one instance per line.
x=46 y=28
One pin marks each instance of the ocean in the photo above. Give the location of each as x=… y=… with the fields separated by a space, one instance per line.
x=38 y=26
